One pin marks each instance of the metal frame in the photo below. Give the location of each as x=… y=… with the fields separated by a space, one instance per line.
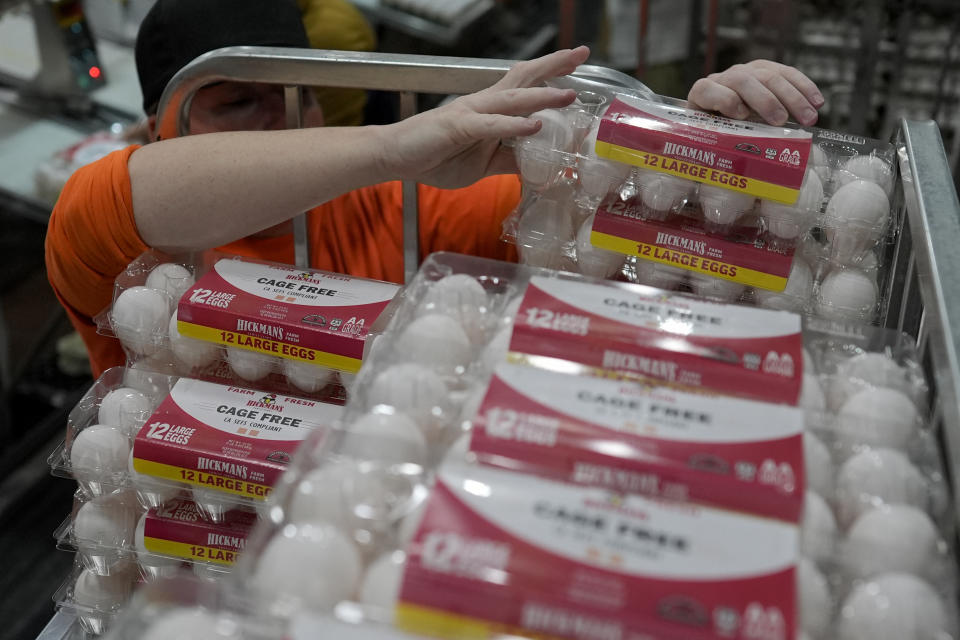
x=926 y=279
x=406 y=74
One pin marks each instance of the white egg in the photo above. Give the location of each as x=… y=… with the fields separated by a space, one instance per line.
x=661 y=276
x=818 y=465
x=126 y=409
x=820 y=163
x=812 y=399
x=593 y=261
x=847 y=294
x=464 y=299
x=99 y=453
x=381 y=583
x=104 y=524
x=139 y=319
x=496 y=352
x=101 y=593
x=893 y=606
x=878 y=476
x=722 y=207
x=153 y=565
x=173 y=279
x=718 y=288
x=855 y=219
x=192 y=623
x=213 y=503
x=346 y=379
x=322 y=495
x=385 y=437
x=191 y=352
x=556 y=131
x=455 y=290
x=664 y=193
x=543 y=233
x=816 y=603
x=308 y=567
x=876 y=369
x=892 y=538
x=598 y=176
x=869 y=168
x=818 y=531
x=306 y=376
x=877 y=418
x=867 y=262
x=790 y=221
x=151 y=491
x=435 y=340
x=153 y=377
x=415 y=391
x=251 y=365
x=795 y=295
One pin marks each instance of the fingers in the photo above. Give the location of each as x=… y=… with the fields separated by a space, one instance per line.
x=771 y=89
x=517 y=102
x=534 y=72
x=713 y=96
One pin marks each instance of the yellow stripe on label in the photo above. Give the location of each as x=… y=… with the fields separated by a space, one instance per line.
x=707 y=175
x=442 y=624
x=202 y=479
x=749 y=277
x=189 y=551
x=271 y=347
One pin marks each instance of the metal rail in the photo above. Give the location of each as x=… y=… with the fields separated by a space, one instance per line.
x=926 y=284
x=407 y=74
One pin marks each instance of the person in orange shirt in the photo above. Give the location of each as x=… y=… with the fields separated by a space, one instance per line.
x=238 y=184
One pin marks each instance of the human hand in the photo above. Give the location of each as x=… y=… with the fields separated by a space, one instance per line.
x=459 y=143
x=768 y=88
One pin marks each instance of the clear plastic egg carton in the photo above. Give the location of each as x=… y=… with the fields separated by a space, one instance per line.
x=112 y=533
x=96 y=601
x=464 y=536
x=223 y=446
x=98 y=449
x=845 y=213
x=145 y=318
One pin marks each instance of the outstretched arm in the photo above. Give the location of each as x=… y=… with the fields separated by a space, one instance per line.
x=768 y=88
x=202 y=191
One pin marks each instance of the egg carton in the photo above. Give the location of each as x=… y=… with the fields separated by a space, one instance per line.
x=463 y=563
x=155 y=292
x=565 y=183
x=114 y=532
x=94 y=600
x=195 y=437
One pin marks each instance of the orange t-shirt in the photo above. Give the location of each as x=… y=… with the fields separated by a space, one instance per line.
x=92 y=237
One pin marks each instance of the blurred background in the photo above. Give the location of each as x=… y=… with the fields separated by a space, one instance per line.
x=69 y=93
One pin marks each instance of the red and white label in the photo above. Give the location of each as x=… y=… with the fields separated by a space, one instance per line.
x=631 y=438
x=178 y=529
x=764 y=161
x=312 y=316
x=642 y=333
x=226 y=438
x=513 y=553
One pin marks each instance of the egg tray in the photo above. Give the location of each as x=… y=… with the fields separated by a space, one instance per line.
x=156 y=350
x=94 y=618
x=104 y=475
x=184 y=605
x=565 y=182
x=189 y=539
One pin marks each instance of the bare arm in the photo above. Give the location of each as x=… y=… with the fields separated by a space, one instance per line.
x=202 y=191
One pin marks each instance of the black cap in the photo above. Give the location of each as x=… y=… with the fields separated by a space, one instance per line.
x=174 y=32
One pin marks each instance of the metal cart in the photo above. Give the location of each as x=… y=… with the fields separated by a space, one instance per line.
x=923 y=292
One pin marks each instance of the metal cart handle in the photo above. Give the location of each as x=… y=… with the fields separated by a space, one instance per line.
x=403 y=73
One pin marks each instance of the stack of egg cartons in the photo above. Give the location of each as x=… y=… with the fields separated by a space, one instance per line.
x=536 y=453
